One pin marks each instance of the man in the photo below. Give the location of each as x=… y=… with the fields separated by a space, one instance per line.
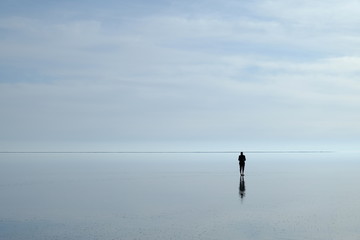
x=242 y=160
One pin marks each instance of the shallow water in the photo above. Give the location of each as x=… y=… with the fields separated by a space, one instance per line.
x=179 y=196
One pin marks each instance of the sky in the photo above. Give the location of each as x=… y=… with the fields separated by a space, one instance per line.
x=168 y=75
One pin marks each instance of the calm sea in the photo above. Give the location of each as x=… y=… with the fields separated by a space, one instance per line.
x=283 y=195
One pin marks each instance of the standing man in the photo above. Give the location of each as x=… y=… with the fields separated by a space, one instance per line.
x=242 y=160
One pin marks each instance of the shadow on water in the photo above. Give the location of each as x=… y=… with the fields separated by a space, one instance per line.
x=242 y=187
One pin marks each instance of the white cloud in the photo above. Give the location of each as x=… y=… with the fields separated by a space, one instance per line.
x=312 y=13
x=205 y=76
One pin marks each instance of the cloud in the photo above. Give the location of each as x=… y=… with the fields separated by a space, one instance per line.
x=275 y=71
x=311 y=13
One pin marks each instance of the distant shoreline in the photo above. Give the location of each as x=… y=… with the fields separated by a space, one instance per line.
x=157 y=152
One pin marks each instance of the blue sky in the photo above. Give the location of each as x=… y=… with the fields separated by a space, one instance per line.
x=160 y=74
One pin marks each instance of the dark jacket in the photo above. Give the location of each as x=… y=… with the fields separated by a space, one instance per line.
x=242 y=159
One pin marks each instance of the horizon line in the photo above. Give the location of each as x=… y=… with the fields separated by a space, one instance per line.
x=162 y=152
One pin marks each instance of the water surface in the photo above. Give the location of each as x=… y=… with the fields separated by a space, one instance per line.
x=179 y=196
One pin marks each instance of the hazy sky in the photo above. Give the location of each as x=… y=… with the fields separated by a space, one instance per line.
x=139 y=72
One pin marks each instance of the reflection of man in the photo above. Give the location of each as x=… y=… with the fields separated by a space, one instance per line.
x=242 y=160
x=242 y=187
